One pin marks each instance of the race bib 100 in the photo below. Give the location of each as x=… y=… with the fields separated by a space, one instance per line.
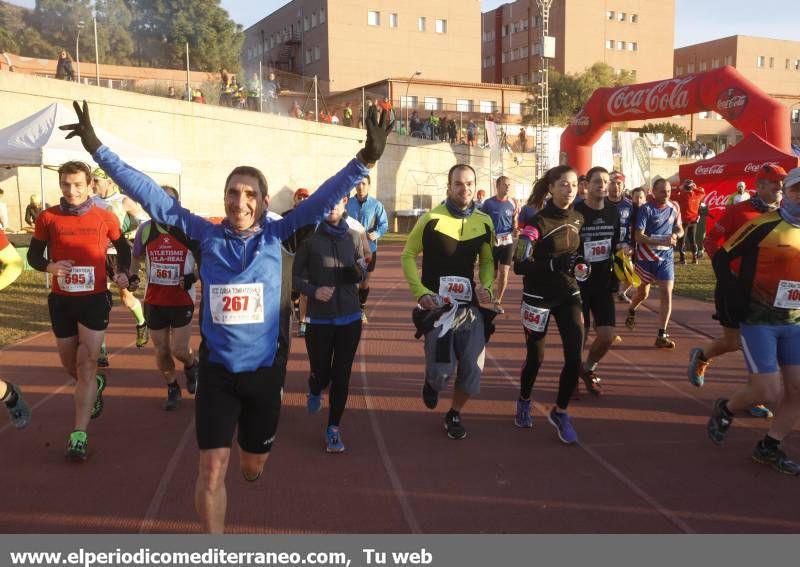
x=79 y=278
x=788 y=295
x=456 y=288
x=241 y=304
x=504 y=239
x=597 y=251
x=164 y=274
x=534 y=318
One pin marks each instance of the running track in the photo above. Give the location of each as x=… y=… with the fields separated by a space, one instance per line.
x=644 y=463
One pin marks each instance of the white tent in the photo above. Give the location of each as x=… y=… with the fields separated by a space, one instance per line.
x=37 y=141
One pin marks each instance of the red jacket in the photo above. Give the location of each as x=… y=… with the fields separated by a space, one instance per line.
x=689 y=202
x=734 y=218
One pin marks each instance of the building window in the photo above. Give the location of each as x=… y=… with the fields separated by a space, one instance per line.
x=621 y=45
x=393 y=20
x=432 y=103
x=771 y=62
x=308 y=56
x=796 y=115
x=322 y=15
x=634 y=18
x=515 y=108
x=306 y=26
x=761 y=61
x=715 y=63
x=441 y=26
x=633 y=46
x=679 y=70
x=408 y=101
x=487 y=106
x=609 y=44
x=610 y=14
x=313 y=20
x=421 y=24
x=621 y=16
x=463 y=105
x=729 y=60
x=373 y=18
x=703 y=66
x=316 y=53
x=797 y=64
x=690 y=68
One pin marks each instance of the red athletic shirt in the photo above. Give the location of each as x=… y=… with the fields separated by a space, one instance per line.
x=167 y=259
x=82 y=239
x=3 y=240
x=689 y=202
x=734 y=218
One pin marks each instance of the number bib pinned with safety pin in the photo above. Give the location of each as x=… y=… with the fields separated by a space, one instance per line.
x=237 y=304
x=597 y=251
x=504 y=239
x=534 y=318
x=164 y=274
x=79 y=278
x=456 y=288
x=788 y=295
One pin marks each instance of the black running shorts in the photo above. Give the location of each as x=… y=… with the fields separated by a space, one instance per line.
x=249 y=400
x=503 y=255
x=160 y=317
x=600 y=303
x=66 y=311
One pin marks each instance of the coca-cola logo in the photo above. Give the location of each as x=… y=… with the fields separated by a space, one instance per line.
x=731 y=103
x=715 y=200
x=756 y=167
x=582 y=123
x=669 y=95
x=715 y=169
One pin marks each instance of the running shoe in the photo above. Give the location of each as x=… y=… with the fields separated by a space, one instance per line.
x=97 y=409
x=333 y=440
x=523 y=417
x=760 y=410
x=173 y=397
x=498 y=308
x=191 y=374
x=430 y=397
x=622 y=297
x=364 y=319
x=719 y=423
x=664 y=342
x=142 y=335
x=77 y=446
x=776 y=458
x=617 y=339
x=563 y=425
x=697 y=367
x=452 y=424
x=313 y=402
x=102 y=360
x=301 y=329
x=630 y=320
x=592 y=382
x=20 y=412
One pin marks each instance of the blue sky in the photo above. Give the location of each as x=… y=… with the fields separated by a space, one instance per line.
x=696 y=20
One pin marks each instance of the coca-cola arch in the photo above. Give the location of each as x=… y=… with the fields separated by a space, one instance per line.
x=725 y=91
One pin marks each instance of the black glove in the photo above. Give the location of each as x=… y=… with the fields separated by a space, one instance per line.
x=83 y=128
x=350 y=275
x=133 y=282
x=376 y=137
x=188 y=281
x=564 y=263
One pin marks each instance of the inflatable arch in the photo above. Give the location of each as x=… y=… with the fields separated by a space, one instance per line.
x=725 y=91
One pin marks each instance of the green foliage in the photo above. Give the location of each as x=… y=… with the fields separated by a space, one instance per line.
x=670 y=130
x=569 y=92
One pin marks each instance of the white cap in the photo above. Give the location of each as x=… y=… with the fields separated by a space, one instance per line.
x=792 y=177
x=741 y=185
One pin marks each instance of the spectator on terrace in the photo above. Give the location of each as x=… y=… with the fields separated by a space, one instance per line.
x=64 y=67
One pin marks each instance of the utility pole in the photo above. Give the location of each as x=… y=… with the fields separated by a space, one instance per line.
x=546 y=52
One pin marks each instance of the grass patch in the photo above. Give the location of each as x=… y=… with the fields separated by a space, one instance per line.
x=24 y=309
x=695 y=280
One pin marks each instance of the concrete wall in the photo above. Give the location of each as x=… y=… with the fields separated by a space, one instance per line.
x=210 y=141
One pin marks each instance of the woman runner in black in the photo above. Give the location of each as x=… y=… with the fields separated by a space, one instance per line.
x=328 y=268
x=547 y=257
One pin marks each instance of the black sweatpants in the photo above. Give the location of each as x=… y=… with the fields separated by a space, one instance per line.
x=331 y=350
x=569 y=319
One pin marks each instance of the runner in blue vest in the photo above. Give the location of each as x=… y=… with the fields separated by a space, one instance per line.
x=503 y=211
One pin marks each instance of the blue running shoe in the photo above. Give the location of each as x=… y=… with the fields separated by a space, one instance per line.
x=333 y=440
x=313 y=402
x=564 y=427
x=20 y=412
x=760 y=410
x=523 y=417
x=776 y=458
x=697 y=367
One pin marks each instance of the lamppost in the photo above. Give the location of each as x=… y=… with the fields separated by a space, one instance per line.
x=96 y=53
x=408 y=85
x=77 y=49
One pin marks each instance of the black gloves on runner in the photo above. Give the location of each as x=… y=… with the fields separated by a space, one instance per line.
x=376 y=137
x=133 y=282
x=350 y=275
x=188 y=281
x=83 y=128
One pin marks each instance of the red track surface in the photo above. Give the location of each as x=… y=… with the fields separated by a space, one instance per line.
x=643 y=465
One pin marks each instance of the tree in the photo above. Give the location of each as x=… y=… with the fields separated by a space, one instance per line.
x=57 y=23
x=670 y=130
x=114 y=38
x=569 y=92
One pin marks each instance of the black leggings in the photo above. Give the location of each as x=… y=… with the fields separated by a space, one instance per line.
x=570 y=326
x=688 y=238
x=331 y=350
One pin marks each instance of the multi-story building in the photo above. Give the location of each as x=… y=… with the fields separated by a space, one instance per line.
x=772 y=64
x=348 y=43
x=631 y=35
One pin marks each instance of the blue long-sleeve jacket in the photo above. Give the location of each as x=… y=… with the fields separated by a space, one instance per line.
x=372 y=215
x=229 y=259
